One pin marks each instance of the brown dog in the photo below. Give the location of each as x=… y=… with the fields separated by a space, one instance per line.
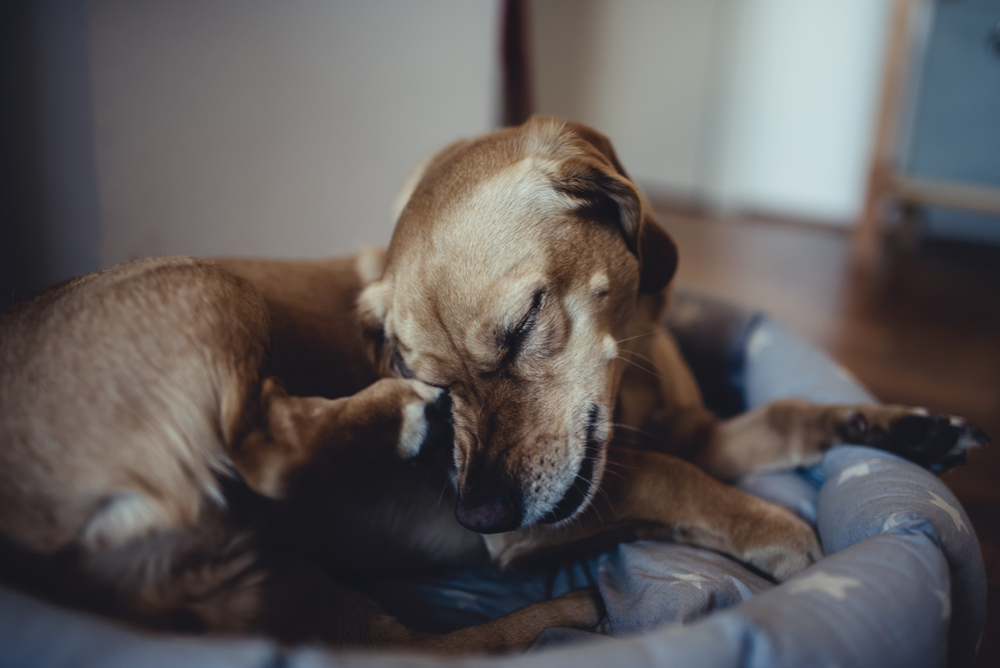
x=524 y=286
x=527 y=276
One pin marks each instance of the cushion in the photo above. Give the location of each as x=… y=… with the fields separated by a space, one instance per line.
x=902 y=584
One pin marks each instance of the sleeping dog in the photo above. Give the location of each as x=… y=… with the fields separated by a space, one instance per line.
x=219 y=445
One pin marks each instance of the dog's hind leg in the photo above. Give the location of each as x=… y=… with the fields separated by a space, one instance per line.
x=516 y=630
x=791 y=432
x=302 y=604
x=390 y=420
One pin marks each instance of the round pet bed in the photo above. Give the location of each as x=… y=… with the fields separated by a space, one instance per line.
x=902 y=584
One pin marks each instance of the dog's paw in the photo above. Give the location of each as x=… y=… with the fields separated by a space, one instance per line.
x=784 y=543
x=936 y=442
x=426 y=431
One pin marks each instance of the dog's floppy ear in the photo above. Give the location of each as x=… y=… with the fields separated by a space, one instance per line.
x=372 y=306
x=657 y=256
x=599 y=181
x=370 y=264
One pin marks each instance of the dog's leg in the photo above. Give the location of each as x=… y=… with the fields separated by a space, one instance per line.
x=791 y=432
x=390 y=420
x=650 y=495
x=302 y=604
x=660 y=398
x=516 y=630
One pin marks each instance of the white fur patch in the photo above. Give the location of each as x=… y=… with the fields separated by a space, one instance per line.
x=599 y=284
x=374 y=298
x=610 y=348
x=125 y=517
x=520 y=191
x=414 y=430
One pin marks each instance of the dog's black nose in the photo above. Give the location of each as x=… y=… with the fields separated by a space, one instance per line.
x=495 y=514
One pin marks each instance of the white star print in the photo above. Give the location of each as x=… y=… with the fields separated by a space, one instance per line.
x=856 y=471
x=945 y=603
x=693 y=578
x=758 y=341
x=951 y=510
x=891 y=522
x=833 y=585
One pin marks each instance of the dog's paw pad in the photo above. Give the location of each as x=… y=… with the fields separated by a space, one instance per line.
x=936 y=442
x=855 y=428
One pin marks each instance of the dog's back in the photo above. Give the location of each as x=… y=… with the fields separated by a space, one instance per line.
x=110 y=430
x=129 y=397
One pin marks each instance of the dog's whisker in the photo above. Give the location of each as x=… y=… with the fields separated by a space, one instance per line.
x=639 y=366
x=629 y=439
x=607 y=499
x=431 y=470
x=617 y=425
x=640 y=356
x=444 y=488
x=614 y=473
x=619 y=465
x=637 y=336
x=600 y=517
x=665 y=328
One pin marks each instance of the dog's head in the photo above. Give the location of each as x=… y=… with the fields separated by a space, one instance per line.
x=513 y=278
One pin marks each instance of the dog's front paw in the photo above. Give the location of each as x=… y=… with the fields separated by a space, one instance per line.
x=936 y=442
x=782 y=543
x=426 y=431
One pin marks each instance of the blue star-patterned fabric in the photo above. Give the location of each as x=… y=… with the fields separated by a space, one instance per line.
x=902 y=584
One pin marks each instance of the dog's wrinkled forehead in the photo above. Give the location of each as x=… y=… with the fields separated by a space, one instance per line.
x=486 y=200
x=489 y=225
x=475 y=255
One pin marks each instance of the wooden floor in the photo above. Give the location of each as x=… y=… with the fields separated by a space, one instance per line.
x=923 y=329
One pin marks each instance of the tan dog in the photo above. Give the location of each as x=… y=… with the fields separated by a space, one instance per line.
x=131 y=398
x=527 y=276
x=524 y=285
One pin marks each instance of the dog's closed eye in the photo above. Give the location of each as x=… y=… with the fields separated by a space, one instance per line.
x=512 y=339
x=400 y=367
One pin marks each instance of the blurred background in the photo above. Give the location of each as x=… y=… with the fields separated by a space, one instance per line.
x=836 y=162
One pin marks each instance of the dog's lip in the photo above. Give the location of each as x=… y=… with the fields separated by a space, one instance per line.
x=579 y=490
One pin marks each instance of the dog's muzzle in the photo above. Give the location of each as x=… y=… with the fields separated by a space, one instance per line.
x=580 y=489
x=500 y=507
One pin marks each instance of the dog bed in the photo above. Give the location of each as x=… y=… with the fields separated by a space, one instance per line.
x=902 y=584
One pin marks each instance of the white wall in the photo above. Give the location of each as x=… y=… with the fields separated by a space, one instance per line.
x=276 y=128
x=797 y=102
x=639 y=71
x=760 y=105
